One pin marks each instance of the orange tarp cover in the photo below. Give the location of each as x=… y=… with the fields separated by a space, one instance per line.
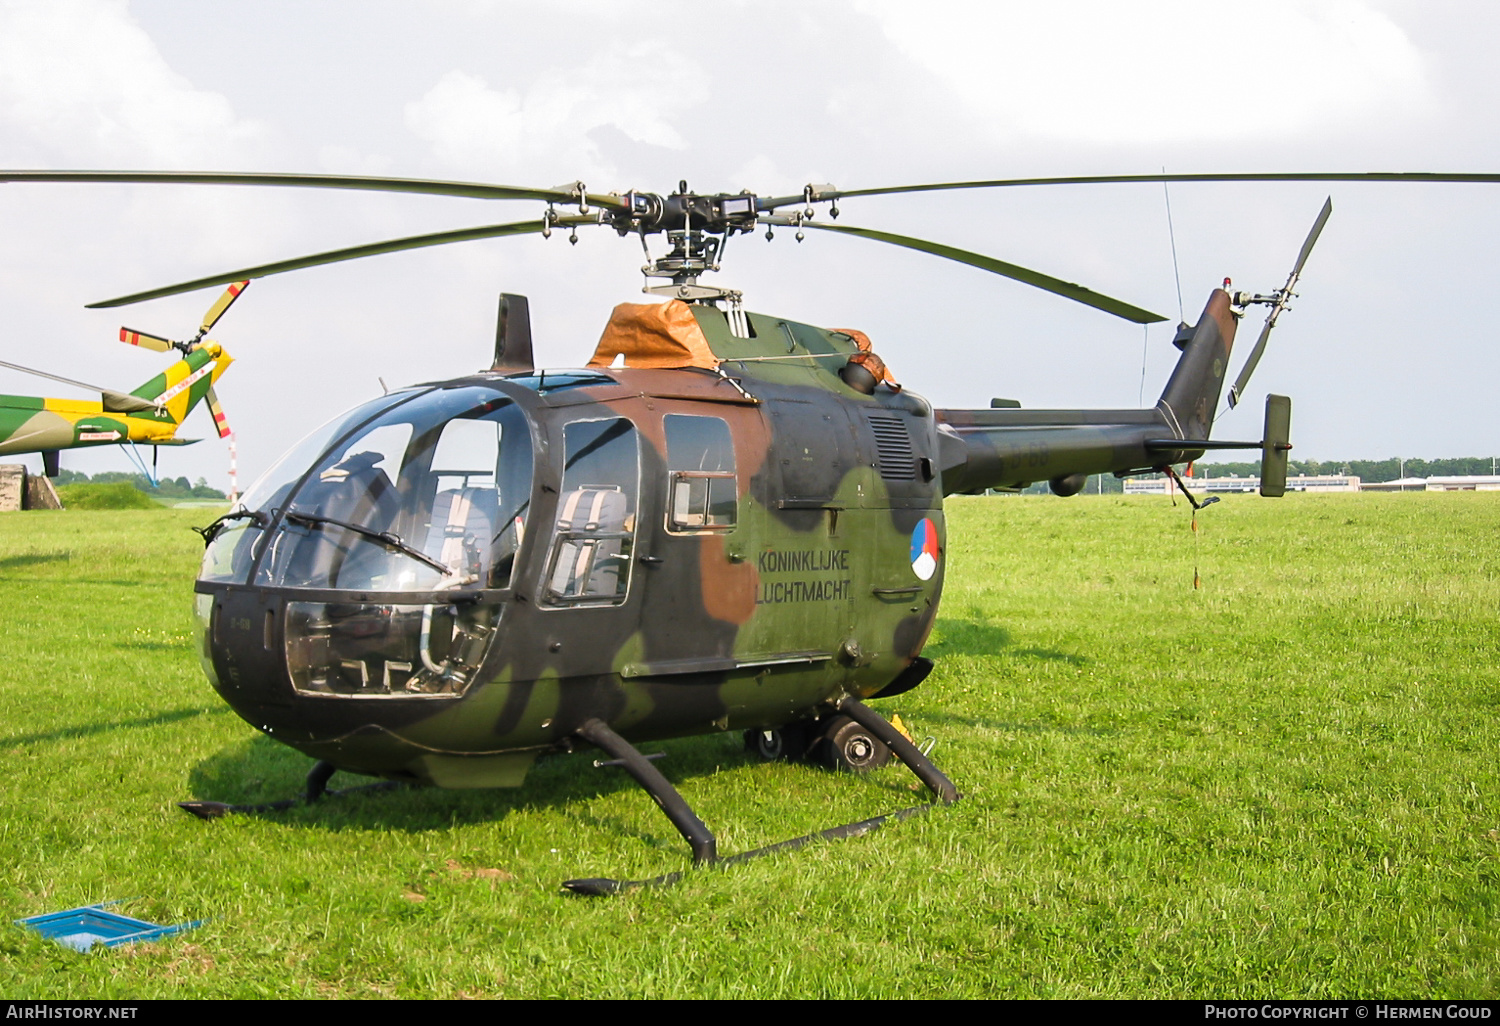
x=866 y=357
x=655 y=336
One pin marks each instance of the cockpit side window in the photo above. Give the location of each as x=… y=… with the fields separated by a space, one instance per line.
x=700 y=472
x=596 y=514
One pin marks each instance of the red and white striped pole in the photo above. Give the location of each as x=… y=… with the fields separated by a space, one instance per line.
x=234 y=475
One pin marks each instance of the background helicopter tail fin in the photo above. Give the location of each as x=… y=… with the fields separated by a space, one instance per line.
x=1192 y=393
x=176 y=390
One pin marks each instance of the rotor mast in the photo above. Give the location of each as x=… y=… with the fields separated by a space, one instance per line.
x=697 y=230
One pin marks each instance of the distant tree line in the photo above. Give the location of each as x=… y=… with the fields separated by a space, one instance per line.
x=169 y=488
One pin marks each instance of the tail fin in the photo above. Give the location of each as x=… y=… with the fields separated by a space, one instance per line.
x=176 y=390
x=1192 y=393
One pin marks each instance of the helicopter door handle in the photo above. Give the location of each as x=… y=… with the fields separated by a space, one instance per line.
x=649 y=560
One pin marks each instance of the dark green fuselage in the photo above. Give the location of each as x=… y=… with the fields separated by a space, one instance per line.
x=691 y=551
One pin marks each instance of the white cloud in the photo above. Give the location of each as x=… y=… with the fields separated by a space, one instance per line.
x=80 y=77
x=637 y=91
x=1082 y=70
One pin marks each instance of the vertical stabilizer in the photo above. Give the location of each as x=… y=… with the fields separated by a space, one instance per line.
x=176 y=390
x=1192 y=393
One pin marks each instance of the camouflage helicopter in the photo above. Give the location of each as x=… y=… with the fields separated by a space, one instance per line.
x=149 y=415
x=725 y=521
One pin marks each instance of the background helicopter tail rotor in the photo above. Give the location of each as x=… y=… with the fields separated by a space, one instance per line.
x=132 y=337
x=1278 y=302
x=161 y=345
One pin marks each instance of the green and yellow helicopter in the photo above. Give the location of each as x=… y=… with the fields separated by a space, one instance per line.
x=148 y=415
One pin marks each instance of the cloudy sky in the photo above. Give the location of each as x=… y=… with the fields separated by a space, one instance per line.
x=1390 y=350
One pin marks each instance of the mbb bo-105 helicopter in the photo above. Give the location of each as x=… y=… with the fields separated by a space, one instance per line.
x=726 y=521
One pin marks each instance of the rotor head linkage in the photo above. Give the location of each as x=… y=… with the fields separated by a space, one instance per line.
x=695 y=225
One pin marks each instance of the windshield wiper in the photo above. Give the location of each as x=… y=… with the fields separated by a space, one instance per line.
x=212 y=530
x=386 y=538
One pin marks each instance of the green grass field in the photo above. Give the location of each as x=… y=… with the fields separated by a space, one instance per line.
x=1281 y=785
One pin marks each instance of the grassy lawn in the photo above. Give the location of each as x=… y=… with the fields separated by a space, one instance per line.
x=1281 y=784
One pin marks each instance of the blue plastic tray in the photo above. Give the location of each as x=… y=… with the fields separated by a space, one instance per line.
x=82 y=928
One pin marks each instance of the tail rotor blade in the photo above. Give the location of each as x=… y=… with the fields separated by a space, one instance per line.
x=139 y=338
x=1238 y=388
x=1278 y=301
x=225 y=301
x=221 y=423
x=1312 y=236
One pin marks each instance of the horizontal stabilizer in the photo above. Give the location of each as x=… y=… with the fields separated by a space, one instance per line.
x=119 y=402
x=169 y=441
x=1184 y=444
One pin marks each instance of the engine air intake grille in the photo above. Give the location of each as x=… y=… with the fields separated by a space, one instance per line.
x=893 y=447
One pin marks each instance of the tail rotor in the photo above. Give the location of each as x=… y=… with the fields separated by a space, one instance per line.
x=161 y=345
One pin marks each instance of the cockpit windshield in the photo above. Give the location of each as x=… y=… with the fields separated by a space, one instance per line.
x=431 y=494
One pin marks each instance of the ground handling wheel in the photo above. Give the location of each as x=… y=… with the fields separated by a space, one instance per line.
x=788 y=741
x=770 y=745
x=845 y=745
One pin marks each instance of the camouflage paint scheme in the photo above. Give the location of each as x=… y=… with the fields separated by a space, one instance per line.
x=34 y=424
x=813 y=596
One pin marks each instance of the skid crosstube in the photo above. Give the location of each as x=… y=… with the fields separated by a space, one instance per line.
x=701 y=839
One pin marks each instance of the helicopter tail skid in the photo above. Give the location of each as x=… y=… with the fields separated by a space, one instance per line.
x=701 y=840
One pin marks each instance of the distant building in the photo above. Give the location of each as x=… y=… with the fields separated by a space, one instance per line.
x=1214 y=485
x=1403 y=484
x=1465 y=483
x=1456 y=483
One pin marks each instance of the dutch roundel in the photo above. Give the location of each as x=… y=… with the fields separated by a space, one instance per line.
x=924 y=549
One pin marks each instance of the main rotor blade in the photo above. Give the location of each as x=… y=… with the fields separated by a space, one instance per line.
x=352 y=253
x=118 y=402
x=1066 y=289
x=1253 y=360
x=767 y=203
x=424 y=186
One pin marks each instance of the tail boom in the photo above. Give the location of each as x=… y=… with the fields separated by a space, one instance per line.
x=1011 y=448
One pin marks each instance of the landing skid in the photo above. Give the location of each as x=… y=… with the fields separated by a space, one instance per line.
x=701 y=840
x=317 y=789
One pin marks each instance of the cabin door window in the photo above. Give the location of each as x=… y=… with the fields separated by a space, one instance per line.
x=594 y=535
x=700 y=467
